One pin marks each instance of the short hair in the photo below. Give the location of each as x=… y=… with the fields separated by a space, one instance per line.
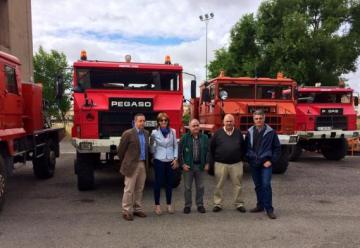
x=138 y=115
x=259 y=112
x=192 y=120
x=161 y=116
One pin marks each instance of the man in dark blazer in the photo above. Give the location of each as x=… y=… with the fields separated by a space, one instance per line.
x=133 y=155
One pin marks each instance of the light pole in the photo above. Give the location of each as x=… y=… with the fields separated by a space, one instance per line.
x=206 y=18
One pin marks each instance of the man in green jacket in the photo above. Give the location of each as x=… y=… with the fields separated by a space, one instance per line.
x=193 y=157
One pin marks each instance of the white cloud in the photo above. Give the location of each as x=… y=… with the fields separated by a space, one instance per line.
x=72 y=25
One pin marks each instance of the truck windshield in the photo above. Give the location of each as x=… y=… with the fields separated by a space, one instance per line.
x=278 y=92
x=241 y=91
x=128 y=79
x=324 y=97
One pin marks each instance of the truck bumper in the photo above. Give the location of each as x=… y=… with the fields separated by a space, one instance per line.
x=288 y=139
x=96 y=145
x=332 y=134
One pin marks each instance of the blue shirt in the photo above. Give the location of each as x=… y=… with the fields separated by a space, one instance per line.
x=142 y=144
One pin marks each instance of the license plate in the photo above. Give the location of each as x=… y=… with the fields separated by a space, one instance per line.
x=150 y=123
x=324 y=128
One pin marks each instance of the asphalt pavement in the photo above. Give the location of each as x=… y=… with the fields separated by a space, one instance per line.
x=317 y=203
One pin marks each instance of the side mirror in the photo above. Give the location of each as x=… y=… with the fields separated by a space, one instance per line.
x=193 y=89
x=296 y=93
x=78 y=89
x=356 y=100
x=206 y=95
x=59 y=87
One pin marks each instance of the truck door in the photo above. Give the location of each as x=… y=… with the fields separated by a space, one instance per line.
x=12 y=102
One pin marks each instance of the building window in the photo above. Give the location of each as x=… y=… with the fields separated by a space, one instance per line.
x=10 y=75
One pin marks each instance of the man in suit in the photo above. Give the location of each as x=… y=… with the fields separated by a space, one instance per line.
x=133 y=155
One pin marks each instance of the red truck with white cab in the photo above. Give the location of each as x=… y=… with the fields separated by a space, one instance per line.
x=23 y=135
x=107 y=95
x=325 y=118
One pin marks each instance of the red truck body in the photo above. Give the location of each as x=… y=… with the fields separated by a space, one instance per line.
x=244 y=95
x=325 y=117
x=107 y=95
x=22 y=133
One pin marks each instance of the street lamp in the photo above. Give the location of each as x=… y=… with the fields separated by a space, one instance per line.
x=205 y=18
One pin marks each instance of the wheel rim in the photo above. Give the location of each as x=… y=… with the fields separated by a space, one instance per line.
x=2 y=185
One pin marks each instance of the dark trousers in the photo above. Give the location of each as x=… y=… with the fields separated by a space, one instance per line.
x=164 y=175
x=189 y=176
x=262 y=180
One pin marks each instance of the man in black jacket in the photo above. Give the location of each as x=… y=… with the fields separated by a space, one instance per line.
x=226 y=150
x=262 y=151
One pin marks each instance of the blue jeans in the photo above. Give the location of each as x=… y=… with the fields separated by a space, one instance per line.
x=164 y=175
x=262 y=180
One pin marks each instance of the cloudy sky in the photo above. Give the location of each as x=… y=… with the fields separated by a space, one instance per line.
x=146 y=29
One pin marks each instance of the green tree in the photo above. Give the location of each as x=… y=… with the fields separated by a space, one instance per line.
x=309 y=40
x=48 y=67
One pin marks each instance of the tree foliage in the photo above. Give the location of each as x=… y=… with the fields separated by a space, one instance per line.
x=48 y=67
x=308 y=40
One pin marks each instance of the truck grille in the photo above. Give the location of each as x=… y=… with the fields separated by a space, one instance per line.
x=336 y=122
x=273 y=121
x=115 y=123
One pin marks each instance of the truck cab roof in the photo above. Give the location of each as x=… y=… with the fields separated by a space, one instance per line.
x=10 y=58
x=132 y=65
x=325 y=89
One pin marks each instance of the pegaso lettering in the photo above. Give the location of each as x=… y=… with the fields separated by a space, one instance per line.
x=131 y=104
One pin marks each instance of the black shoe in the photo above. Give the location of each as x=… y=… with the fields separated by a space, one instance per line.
x=257 y=209
x=201 y=209
x=217 y=209
x=187 y=210
x=271 y=215
x=241 y=209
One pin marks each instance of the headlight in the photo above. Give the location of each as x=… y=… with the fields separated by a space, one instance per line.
x=223 y=95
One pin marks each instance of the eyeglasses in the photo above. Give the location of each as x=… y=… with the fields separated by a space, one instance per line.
x=163 y=120
x=258 y=119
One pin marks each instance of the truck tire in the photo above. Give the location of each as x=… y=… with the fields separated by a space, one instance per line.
x=84 y=168
x=3 y=182
x=295 y=152
x=44 y=166
x=334 y=149
x=282 y=164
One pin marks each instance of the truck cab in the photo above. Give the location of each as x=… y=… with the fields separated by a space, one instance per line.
x=23 y=136
x=107 y=95
x=325 y=119
x=241 y=97
x=11 y=107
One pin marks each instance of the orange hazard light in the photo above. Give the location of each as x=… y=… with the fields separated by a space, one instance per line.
x=167 y=60
x=83 y=55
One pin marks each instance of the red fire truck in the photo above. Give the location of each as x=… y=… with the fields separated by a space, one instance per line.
x=107 y=95
x=325 y=118
x=241 y=97
x=23 y=135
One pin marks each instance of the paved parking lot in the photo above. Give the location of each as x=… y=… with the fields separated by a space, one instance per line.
x=317 y=202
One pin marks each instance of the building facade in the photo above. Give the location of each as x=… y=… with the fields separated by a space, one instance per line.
x=16 y=33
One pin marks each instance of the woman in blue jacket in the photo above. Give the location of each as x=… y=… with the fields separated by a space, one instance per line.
x=164 y=147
